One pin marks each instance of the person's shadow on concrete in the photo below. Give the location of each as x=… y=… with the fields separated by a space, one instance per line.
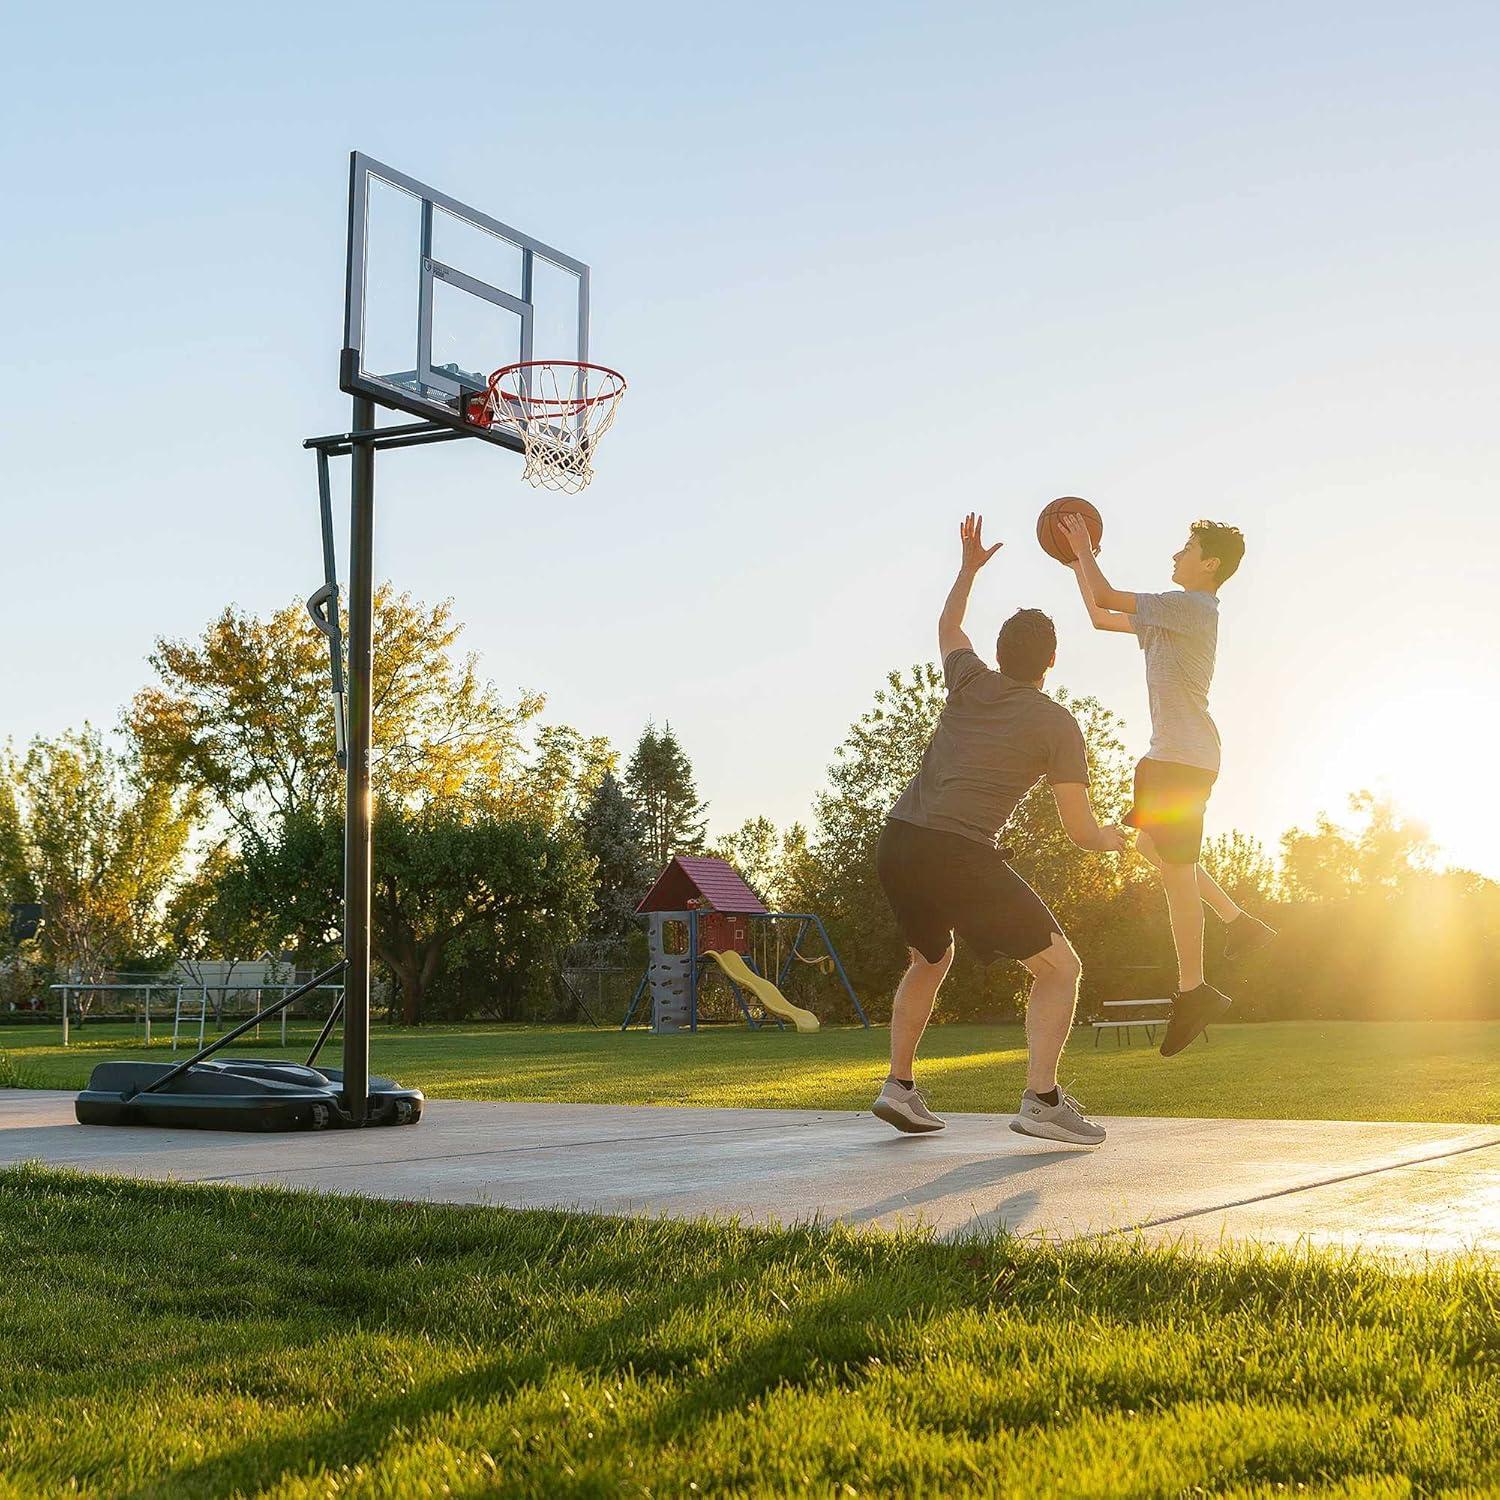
x=973 y=1179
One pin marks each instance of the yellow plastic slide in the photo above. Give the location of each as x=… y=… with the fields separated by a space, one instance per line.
x=764 y=991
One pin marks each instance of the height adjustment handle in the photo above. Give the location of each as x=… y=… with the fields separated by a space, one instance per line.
x=318 y=607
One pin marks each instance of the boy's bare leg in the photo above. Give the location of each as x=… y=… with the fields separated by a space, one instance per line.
x=1216 y=898
x=1184 y=911
x=1049 y=1011
x=912 y=1008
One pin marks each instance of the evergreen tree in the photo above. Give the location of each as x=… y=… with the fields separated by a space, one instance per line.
x=610 y=829
x=660 y=782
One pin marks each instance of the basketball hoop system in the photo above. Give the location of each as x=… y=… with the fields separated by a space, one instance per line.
x=561 y=408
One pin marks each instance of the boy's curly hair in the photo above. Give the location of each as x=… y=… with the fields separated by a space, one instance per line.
x=1217 y=540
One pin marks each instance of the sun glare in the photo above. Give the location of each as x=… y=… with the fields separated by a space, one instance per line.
x=1423 y=748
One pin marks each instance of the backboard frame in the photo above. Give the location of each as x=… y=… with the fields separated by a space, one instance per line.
x=437 y=394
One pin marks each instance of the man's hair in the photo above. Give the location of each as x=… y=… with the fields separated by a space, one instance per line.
x=1026 y=645
x=1226 y=543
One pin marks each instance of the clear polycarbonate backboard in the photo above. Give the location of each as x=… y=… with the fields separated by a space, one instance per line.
x=439 y=295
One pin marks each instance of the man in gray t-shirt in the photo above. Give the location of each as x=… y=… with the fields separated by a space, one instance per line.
x=942 y=871
x=1178 y=634
x=996 y=738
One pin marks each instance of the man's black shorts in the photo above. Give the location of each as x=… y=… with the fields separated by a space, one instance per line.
x=941 y=883
x=1170 y=801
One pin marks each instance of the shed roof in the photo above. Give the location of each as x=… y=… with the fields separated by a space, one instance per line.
x=700 y=878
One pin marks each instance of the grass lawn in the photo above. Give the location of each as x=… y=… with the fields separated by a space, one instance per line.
x=1337 y=1070
x=182 y=1341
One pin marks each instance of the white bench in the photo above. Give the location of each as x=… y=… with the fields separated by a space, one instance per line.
x=1121 y=1028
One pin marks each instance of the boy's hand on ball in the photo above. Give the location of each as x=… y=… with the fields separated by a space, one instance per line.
x=1074 y=528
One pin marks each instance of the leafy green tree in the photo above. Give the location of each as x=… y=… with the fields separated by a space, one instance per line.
x=880 y=754
x=565 y=771
x=443 y=874
x=609 y=828
x=794 y=870
x=660 y=782
x=242 y=715
x=19 y=980
x=102 y=841
x=520 y=887
x=771 y=862
x=1239 y=862
x=267 y=893
x=16 y=883
x=1381 y=851
x=754 y=850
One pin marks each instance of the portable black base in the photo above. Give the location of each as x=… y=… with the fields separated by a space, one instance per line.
x=239 y=1093
x=245 y=1093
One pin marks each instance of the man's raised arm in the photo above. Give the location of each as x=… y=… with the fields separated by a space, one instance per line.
x=951 y=636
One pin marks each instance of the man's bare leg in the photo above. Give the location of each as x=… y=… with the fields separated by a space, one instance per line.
x=911 y=1008
x=899 y=1102
x=1049 y=1011
x=1046 y=1112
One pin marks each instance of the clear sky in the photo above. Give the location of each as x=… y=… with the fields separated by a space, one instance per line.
x=867 y=267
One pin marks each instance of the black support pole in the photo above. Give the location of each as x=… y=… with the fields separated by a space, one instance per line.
x=357 y=807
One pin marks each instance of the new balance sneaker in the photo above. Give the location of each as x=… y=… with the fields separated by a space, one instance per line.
x=1246 y=934
x=1062 y=1121
x=1193 y=1011
x=906 y=1109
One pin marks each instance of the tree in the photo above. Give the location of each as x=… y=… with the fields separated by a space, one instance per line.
x=242 y=715
x=1240 y=864
x=659 y=779
x=754 y=851
x=795 y=870
x=16 y=883
x=443 y=874
x=609 y=828
x=1383 y=851
x=565 y=772
x=880 y=754
x=102 y=841
x=521 y=888
x=268 y=893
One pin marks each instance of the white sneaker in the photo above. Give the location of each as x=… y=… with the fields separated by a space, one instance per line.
x=906 y=1109
x=1062 y=1121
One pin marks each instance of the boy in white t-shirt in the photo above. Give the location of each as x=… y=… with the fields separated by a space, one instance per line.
x=1178 y=635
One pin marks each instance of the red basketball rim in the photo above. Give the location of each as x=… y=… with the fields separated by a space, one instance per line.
x=610 y=392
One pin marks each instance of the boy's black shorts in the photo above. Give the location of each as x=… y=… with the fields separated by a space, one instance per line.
x=1170 y=801
x=940 y=883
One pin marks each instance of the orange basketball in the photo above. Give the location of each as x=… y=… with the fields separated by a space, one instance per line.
x=1048 y=533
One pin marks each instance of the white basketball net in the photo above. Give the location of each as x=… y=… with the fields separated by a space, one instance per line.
x=561 y=408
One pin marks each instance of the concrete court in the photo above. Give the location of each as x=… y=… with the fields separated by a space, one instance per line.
x=1394 y=1188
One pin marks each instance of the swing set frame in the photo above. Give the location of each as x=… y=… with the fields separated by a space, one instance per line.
x=697 y=959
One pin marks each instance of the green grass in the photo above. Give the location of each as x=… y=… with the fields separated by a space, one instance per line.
x=160 y=1340
x=1445 y=1071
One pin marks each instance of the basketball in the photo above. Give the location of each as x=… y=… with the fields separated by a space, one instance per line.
x=1050 y=535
